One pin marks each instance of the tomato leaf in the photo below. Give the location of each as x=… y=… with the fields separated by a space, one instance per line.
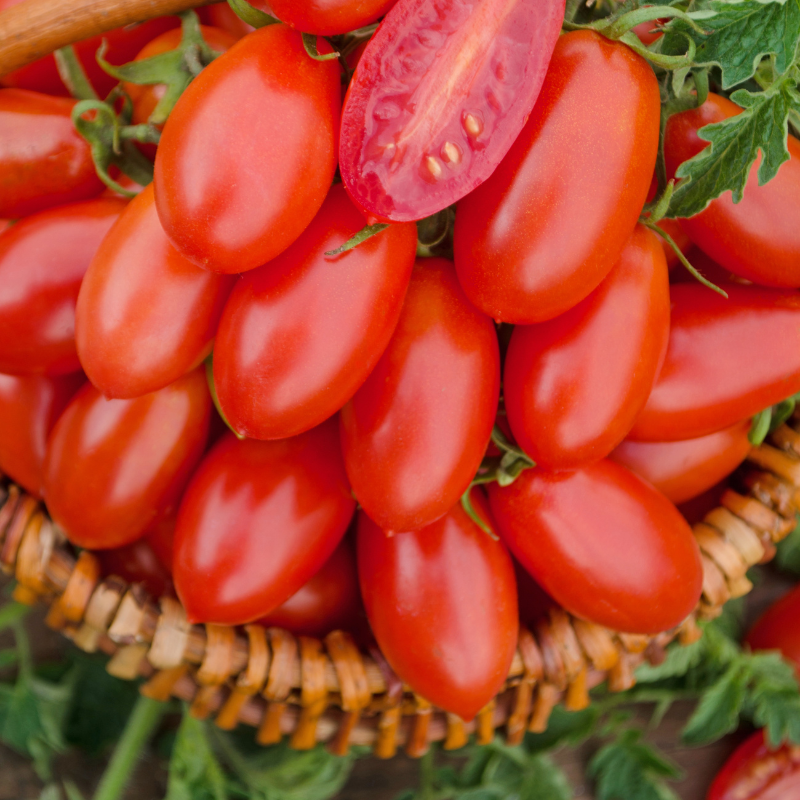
x=773 y=701
x=788 y=556
x=718 y=711
x=194 y=771
x=250 y=15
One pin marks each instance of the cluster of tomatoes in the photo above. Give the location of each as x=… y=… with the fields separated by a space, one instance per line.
x=369 y=376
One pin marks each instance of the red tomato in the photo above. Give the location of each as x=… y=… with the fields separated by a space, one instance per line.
x=43 y=259
x=726 y=360
x=329 y=601
x=442 y=603
x=438 y=98
x=574 y=385
x=302 y=333
x=137 y=563
x=29 y=407
x=758 y=238
x=777 y=628
x=329 y=17
x=534 y=602
x=257 y=521
x=414 y=434
x=113 y=467
x=161 y=538
x=145 y=314
x=221 y=15
x=607 y=546
x=44 y=162
x=695 y=510
x=683 y=470
x=756 y=772
x=268 y=113
x=648 y=31
x=706 y=267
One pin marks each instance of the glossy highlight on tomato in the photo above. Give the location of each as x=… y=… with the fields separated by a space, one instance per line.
x=301 y=334
x=550 y=223
x=113 y=467
x=438 y=97
x=602 y=542
x=414 y=434
x=442 y=603
x=574 y=385
x=777 y=628
x=257 y=521
x=329 y=17
x=269 y=113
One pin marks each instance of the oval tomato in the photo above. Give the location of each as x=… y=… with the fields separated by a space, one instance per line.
x=302 y=333
x=607 y=546
x=438 y=97
x=442 y=603
x=777 y=629
x=534 y=602
x=145 y=314
x=683 y=470
x=161 y=537
x=329 y=17
x=574 y=385
x=113 y=467
x=257 y=521
x=414 y=434
x=726 y=361
x=44 y=162
x=549 y=224
x=137 y=563
x=269 y=113
x=29 y=408
x=758 y=238
x=221 y=15
x=43 y=259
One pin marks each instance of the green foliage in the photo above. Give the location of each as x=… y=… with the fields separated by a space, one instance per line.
x=194 y=772
x=788 y=556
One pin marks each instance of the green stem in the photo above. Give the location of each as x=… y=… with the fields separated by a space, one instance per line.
x=72 y=73
x=140 y=727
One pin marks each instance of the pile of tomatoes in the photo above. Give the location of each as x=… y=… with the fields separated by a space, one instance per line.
x=374 y=472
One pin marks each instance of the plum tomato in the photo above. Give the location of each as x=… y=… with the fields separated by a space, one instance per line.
x=30 y=405
x=145 y=314
x=442 y=603
x=603 y=543
x=758 y=238
x=683 y=470
x=43 y=259
x=257 y=521
x=269 y=114
x=300 y=334
x=414 y=434
x=534 y=602
x=727 y=360
x=329 y=17
x=113 y=467
x=438 y=97
x=777 y=628
x=574 y=385
x=695 y=510
x=137 y=563
x=551 y=222
x=161 y=538
x=221 y=15
x=44 y=162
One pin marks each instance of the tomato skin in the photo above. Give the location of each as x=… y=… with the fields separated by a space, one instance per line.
x=568 y=401
x=145 y=314
x=221 y=15
x=776 y=628
x=265 y=83
x=442 y=603
x=758 y=238
x=278 y=373
x=683 y=470
x=137 y=563
x=29 y=408
x=726 y=361
x=414 y=434
x=113 y=467
x=603 y=543
x=329 y=17
x=43 y=160
x=257 y=521
x=43 y=260
x=586 y=153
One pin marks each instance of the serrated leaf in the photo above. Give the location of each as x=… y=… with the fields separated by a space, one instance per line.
x=194 y=772
x=564 y=727
x=773 y=700
x=718 y=711
x=680 y=659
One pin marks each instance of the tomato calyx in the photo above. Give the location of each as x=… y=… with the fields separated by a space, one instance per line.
x=251 y=15
x=212 y=389
x=770 y=419
x=435 y=234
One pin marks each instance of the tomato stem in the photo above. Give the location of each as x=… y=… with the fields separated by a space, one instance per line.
x=71 y=72
x=250 y=15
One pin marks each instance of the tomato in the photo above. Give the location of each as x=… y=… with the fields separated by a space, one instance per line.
x=269 y=114
x=603 y=543
x=534 y=602
x=777 y=629
x=574 y=385
x=145 y=314
x=414 y=434
x=726 y=361
x=257 y=521
x=113 y=467
x=329 y=601
x=329 y=17
x=758 y=238
x=161 y=538
x=442 y=603
x=137 y=563
x=221 y=15
x=44 y=162
x=302 y=333
x=683 y=470
x=757 y=772
x=29 y=407
x=43 y=259
x=695 y=510
x=438 y=97
x=648 y=31
x=551 y=222
x=706 y=267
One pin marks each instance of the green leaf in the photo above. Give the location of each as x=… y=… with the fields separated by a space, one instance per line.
x=773 y=701
x=250 y=15
x=194 y=772
x=718 y=711
x=11 y=613
x=680 y=659
x=788 y=556
x=564 y=727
